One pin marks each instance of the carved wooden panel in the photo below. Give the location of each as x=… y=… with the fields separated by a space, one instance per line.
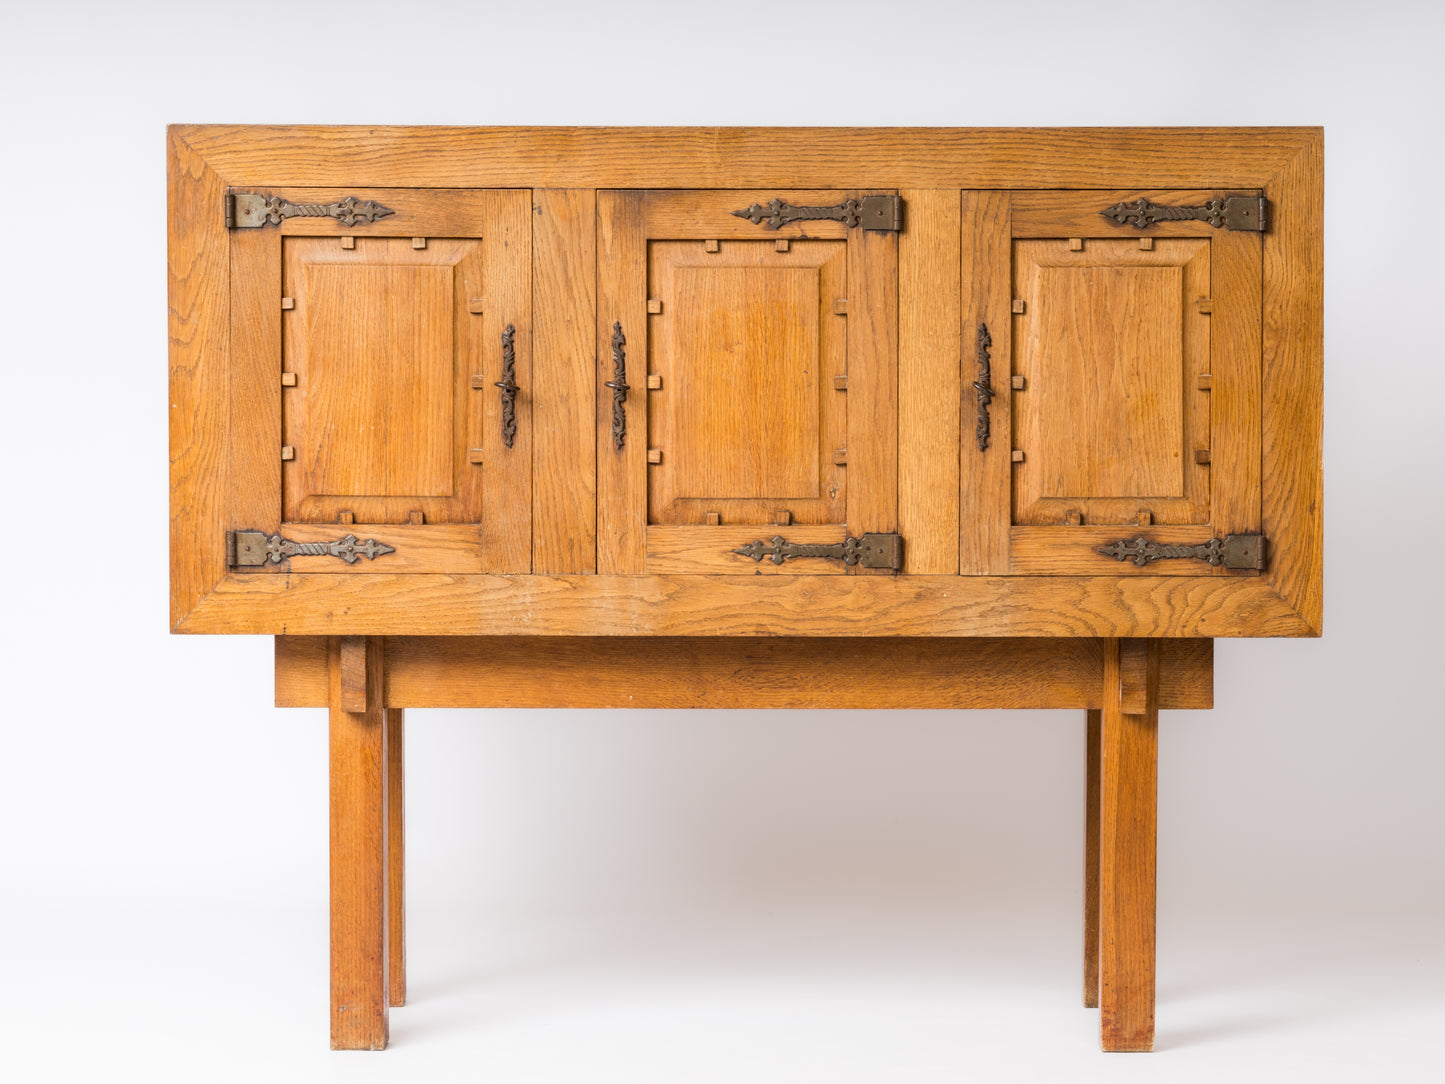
x=1110 y=344
x=745 y=350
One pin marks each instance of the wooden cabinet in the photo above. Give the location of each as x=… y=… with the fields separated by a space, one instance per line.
x=507 y=416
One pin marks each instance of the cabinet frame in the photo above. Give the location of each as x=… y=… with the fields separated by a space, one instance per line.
x=211 y=475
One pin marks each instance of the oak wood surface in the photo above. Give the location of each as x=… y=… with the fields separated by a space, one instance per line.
x=1093 y=723
x=359 y=828
x=716 y=157
x=564 y=471
x=402 y=605
x=395 y=722
x=1128 y=783
x=731 y=672
x=928 y=381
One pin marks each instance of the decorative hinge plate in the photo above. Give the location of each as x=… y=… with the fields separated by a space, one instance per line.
x=248 y=549
x=1231 y=551
x=1232 y=212
x=870 y=551
x=880 y=213
x=251 y=210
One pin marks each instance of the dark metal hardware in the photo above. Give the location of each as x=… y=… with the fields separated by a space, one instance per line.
x=983 y=386
x=1232 y=551
x=1231 y=212
x=883 y=213
x=508 y=384
x=251 y=548
x=870 y=551
x=619 y=386
x=249 y=210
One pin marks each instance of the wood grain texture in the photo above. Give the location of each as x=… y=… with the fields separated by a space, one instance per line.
x=985 y=476
x=1234 y=440
x=197 y=259
x=1071 y=551
x=872 y=385
x=254 y=496
x=1128 y=785
x=564 y=364
x=713 y=157
x=1093 y=723
x=358 y=769
x=842 y=606
x=395 y=722
x=929 y=353
x=621 y=298
x=1293 y=485
x=751 y=673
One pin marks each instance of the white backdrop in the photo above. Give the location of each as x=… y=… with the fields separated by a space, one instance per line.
x=709 y=895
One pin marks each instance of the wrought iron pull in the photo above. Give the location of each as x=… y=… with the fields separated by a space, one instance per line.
x=619 y=386
x=508 y=384
x=983 y=386
x=252 y=548
x=1232 y=551
x=870 y=551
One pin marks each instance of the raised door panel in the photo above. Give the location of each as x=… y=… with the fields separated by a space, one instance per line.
x=758 y=375
x=377 y=347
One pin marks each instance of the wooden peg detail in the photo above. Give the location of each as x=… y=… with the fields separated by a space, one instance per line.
x=1146 y=244
x=346 y=519
x=1204 y=305
x=347 y=241
x=654 y=382
x=654 y=455
x=710 y=245
x=474 y=455
x=781 y=244
x=1018 y=383
x=478 y=382
x=1017 y=455
x=1201 y=456
x=1017 y=307
x=654 y=305
x=474 y=305
x=1206 y=381
x=288 y=303
x=782 y=518
x=287 y=452
x=840 y=306
x=1146 y=519
x=415 y=518
x=840 y=382
x=840 y=457
x=1073 y=518
x=1076 y=244
x=288 y=380
x=353 y=674
x=712 y=519
x=418 y=242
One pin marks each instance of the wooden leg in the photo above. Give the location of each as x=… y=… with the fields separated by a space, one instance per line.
x=1128 y=784
x=358 y=845
x=395 y=856
x=1091 y=859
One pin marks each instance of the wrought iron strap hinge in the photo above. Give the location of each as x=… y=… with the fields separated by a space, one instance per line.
x=251 y=210
x=1232 y=551
x=1231 y=212
x=252 y=548
x=882 y=213
x=870 y=551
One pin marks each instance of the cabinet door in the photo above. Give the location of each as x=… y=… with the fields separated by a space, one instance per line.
x=374 y=349
x=1131 y=361
x=747 y=382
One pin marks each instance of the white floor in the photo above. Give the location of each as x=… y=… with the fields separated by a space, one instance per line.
x=100 y=990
